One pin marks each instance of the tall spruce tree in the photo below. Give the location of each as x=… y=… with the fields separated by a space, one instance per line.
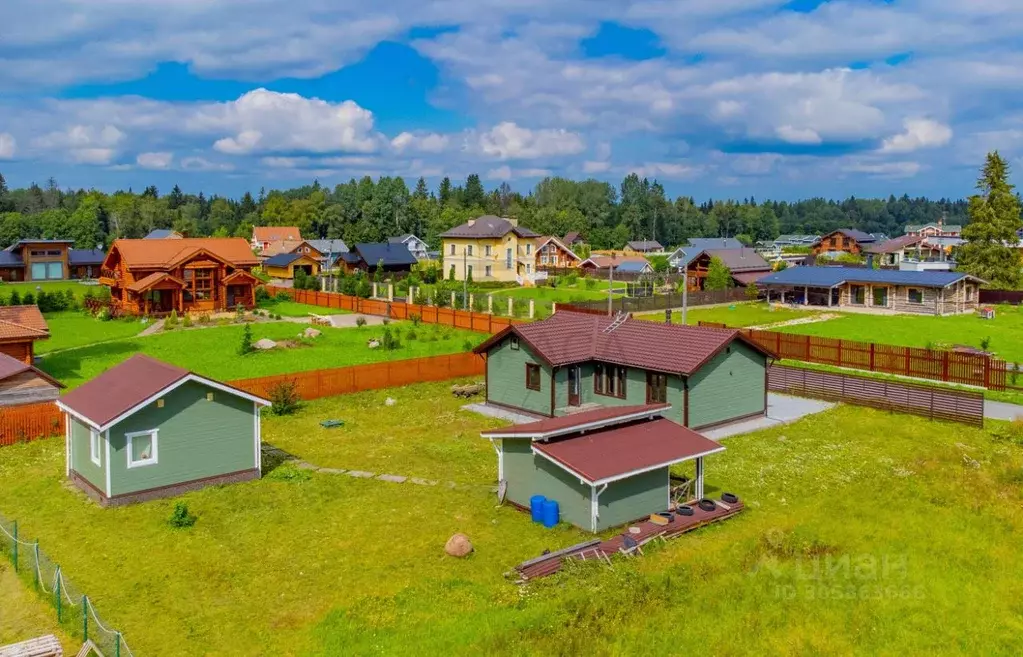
x=993 y=229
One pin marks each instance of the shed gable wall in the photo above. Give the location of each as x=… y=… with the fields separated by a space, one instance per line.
x=197 y=439
x=506 y=378
x=81 y=462
x=528 y=475
x=633 y=498
x=731 y=385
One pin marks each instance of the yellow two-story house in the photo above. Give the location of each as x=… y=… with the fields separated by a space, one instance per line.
x=491 y=249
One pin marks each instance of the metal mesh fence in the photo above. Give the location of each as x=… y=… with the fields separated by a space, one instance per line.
x=73 y=609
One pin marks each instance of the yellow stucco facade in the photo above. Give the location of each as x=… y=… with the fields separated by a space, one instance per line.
x=505 y=258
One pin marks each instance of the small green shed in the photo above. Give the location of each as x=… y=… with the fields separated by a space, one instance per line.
x=145 y=429
x=574 y=361
x=604 y=467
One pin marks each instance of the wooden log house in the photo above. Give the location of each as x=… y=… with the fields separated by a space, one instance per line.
x=154 y=277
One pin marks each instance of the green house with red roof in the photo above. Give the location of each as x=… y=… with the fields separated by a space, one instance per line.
x=573 y=362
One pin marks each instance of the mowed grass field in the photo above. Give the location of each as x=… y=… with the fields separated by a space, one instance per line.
x=865 y=533
x=213 y=351
x=25 y=614
x=1005 y=331
x=34 y=287
x=734 y=315
x=71 y=329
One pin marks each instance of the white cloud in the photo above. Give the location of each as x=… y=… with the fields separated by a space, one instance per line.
x=8 y=146
x=884 y=169
x=196 y=163
x=596 y=166
x=504 y=172
x=509 y=141
x=155 y=160
x=919 y=133
x=84 y=144
x=430 y=142
x=798 y=135
x=264 y=121
x=671 y=170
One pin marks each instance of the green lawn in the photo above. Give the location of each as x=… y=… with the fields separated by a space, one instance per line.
x=1005 y=331
x=866 y=533
x=213 y=351
x=295 y=309
x=735 y=315
x=425 y=434
x=25 y=614
x=75 y=329
x=53 y=286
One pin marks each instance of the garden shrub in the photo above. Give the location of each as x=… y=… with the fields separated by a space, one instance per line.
x=282 y=296
x=15 y=298
x=752 y=292
x=284 y=397
x=390 y=341
x=246 y=344
x=415 y=318
x=411 y=335
x=181 y=517
x=468 y=345
x=360 y=321
x=364 y=289
x=171 y=321
x=204 y=318
x=28 y=299
x=262 y=294
x=186 y=320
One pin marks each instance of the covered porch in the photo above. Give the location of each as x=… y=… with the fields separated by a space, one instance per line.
x=805 y=295
x=155 y=294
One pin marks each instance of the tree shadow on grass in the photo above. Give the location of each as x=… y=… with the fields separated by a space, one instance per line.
x=68 y=364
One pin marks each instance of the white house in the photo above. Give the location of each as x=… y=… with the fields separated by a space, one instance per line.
x=416 y=246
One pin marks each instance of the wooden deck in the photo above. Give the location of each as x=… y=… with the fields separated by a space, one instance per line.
x=603 y=550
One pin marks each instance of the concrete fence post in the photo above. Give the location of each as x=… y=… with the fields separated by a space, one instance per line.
x=390 y=291
x=490 y=304
x=511 y=307
x=374 y=290
x=472 y=302
x=452 y=299
x=554 y=307
x=323 y=284
x=532 y=308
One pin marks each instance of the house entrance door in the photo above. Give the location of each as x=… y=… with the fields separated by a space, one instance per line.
x=573 y=385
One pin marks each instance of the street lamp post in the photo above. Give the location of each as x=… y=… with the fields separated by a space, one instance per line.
x=685 y=291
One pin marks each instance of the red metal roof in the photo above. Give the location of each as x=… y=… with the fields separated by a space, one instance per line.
x=750 y=276
x=10 y=366
x=567 y=337
x=633 y=448
x=601 y=417
x=121 y=388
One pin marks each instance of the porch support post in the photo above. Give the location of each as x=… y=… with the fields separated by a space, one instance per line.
x=500 y=459
x=806 y=295
x=595 y=505
x=831 y=291
x=699 y=478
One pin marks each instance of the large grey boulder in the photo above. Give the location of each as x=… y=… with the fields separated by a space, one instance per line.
x=265 y=343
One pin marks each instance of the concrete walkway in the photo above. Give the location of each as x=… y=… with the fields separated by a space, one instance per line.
x=154 y=327
x=996 y=410
x=500 y=413
x=781 y=409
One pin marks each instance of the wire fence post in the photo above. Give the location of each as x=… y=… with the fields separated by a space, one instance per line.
x=35 y=549
x=117 y=645
x=85 y=618
x=56 y=591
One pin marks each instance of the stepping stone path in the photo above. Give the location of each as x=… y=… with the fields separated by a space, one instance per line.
x=394 y=479
x=360 y=474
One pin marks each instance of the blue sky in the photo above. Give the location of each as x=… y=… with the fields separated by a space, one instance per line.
x=714 y=98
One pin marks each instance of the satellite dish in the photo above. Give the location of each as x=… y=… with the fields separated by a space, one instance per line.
x=502 y=490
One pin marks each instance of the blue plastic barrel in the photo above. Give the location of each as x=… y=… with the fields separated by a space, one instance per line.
x=550 y=513
x=536 y=507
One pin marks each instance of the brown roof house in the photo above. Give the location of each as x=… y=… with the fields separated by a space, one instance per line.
x=746 y=265
x=190 y=274
x=264 y=236
x=20 y=327
x=146 y=429
x=21 y=383
x=603 y=467
x=643 y=246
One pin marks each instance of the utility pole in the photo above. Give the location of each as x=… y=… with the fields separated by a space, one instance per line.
x=610 y=284
x=685 y=291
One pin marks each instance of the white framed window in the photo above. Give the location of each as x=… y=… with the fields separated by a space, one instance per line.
x=95 y=448
x=142 y=448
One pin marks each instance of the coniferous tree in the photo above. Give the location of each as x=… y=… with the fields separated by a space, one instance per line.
x=993 y=231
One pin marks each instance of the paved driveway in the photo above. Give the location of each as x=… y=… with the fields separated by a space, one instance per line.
x=781 y=409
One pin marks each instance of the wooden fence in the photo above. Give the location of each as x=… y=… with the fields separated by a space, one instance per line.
x=464 y=319
x=936 y=403
x=33 y=421
x=357 y=378
x=29 y=421
x=660 y=301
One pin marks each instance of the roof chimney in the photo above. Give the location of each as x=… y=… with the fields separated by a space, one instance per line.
x=512 y=220
x=471 y=222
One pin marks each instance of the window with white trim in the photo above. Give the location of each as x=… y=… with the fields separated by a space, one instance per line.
x=95 y=447
x=142 y=448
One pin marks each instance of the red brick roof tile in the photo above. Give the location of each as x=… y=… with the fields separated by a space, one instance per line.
x=22 y=322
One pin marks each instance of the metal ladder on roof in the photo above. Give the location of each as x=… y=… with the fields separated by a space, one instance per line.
x=619 y=319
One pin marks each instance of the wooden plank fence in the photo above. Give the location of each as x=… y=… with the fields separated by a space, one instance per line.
x=464 y=319
x=33 y=421
x=939 y=365
x=933 y=402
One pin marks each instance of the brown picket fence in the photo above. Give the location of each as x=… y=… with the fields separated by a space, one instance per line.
x=933 y=402
x=28 y=422
x=464 y=319
x=357 y=378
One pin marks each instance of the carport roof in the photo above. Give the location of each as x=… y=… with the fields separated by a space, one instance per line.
x=832 y=276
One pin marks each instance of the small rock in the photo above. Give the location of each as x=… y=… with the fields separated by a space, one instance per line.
x=390 y=401
x=422 y=482
x=333 y=470
x=458 y=545
x=394 y=479
x=360 y=474
x=306 y=466
x=311 y=333
x=265 y=343
x=373 y=344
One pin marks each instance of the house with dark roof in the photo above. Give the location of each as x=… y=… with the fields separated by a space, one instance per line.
x=598 y=263
x=20 y=327
x=573 y=239
x=643 y=246
x=936 y=229
x=387 y=256
x=23 y=383
x=572 y=362
x=745 y=264
x=183 y=275
x=604 y=467
x=876 y=290
x=846 y=240
x=552 y=253
x=283 y=266
x=913 y=252
x=146 y=429
x=490 y=249
x=163 y=234
x=417 y=247
x=41 y=260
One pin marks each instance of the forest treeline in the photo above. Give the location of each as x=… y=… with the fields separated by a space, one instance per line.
x=370 y=210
